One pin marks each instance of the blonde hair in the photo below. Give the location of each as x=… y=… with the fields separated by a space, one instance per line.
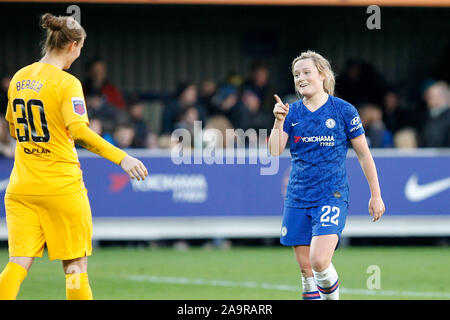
x=61 y=31
x=322 y=65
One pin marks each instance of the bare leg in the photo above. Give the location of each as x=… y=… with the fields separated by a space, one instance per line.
x=309 y=286
x=12 y=276
x=77 y=282
x=78 y=265
x=325 y=276
x=25 y=262
x=322 y=250
x=302 y=256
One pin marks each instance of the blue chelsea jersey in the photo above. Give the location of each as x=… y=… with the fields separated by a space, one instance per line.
x=319 y=144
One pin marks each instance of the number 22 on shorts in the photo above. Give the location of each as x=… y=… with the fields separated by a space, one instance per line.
x=325 y=216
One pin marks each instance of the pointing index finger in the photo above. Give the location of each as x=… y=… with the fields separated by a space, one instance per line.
x=278 y=99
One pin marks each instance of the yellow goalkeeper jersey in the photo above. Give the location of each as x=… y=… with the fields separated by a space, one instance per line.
x=42 y=102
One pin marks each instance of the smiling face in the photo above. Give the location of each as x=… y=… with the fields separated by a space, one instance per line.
x=307 y=79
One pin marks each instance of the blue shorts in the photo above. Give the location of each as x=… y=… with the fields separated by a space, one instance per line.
x=301 y=224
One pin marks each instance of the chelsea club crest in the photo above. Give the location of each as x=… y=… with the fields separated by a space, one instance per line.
x=330 y=123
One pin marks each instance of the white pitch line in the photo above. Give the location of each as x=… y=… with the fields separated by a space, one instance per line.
x=270 y=286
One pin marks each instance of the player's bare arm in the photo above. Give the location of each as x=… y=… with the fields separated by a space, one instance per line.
x=278 y=138
x=376 y=204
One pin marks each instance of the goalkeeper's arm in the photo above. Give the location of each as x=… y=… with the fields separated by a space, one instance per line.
x=91 y=141
x=12 y=130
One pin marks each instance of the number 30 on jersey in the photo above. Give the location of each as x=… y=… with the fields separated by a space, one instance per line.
x=27 y=120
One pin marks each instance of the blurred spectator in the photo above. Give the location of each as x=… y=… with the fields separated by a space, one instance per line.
x=97 y=107
x=136 y=112
x=7 y=143
x=360 y=83
x=96 y=125
x=436 y=131
x=226 y=102
x=98 y=84
x=124 y=135
x=260 y=85
x=185 y=97
x=187 y=118
x=206 y=93
x=393 y=115
x=152 y=141
x=406 y=138
x=255 y=117
x=234 y=79
x=226 y=95
x=165 y=142
x=4 y=85
x=376 y=133
x=221 y=123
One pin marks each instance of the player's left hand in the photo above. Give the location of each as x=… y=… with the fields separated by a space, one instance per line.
x=134 y=167
x=376 y=208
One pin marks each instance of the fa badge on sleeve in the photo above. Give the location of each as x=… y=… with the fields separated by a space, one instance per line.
x=78 y=106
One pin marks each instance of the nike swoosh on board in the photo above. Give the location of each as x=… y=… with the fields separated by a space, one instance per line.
x=415 y=192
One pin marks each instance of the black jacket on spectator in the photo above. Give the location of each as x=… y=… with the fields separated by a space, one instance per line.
x=436 y=131
x=172 y=112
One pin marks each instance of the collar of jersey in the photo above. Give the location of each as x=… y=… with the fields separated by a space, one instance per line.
x=318 y=110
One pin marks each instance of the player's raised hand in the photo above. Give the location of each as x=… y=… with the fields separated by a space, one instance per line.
x=134 y=167
x=281 y=109
x=376 y=208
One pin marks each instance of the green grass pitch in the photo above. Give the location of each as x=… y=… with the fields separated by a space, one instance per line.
x=242 y=273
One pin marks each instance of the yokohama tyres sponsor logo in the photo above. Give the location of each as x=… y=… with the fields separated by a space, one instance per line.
x=325 y=141
x=191 y=188
x=317 y=139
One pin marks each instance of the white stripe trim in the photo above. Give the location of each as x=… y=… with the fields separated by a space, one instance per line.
x=280 y=287
x=159 y=228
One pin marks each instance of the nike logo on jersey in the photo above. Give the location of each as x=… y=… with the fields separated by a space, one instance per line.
x=415 y=192
x=3 y=184
x=326 y=225
x=294 y=124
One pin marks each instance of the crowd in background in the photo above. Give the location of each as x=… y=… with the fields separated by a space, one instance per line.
x=392 y=117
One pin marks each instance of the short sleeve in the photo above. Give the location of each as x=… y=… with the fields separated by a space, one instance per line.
x=353 y=124
x=73 y=105
x=287 y=126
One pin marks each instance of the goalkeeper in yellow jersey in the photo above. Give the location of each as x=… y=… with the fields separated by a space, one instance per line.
x=46 y=201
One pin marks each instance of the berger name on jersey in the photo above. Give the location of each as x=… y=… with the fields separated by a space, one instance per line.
x=29 y=84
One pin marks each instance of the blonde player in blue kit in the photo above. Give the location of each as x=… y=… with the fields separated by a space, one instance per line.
x=319 y=127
